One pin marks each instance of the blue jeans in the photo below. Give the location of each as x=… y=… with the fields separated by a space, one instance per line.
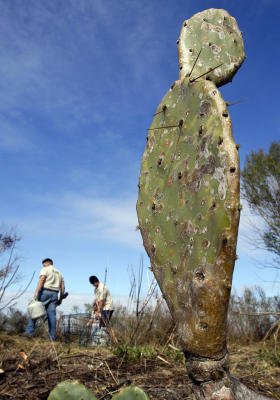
x=94 y=330
x=49 y=298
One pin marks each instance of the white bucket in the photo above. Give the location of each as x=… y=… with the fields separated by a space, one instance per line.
x=36 y=309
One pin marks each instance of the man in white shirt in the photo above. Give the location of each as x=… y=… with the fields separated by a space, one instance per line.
x=103 y=301
x=50 y=283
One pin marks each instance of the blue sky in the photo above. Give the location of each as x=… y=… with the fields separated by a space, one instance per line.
x=79 y=82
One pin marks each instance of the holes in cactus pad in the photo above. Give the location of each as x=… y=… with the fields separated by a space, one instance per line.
x=205 y=108
x=213 y=206
x=159 y=162
x=225 y=114
x=190 y=50
x=199 y=276
x=205 y=243
x=172 y=86
x=178 y=41
x=204 y=325
x=180 y=175
x=220 y=141
x=232 y=170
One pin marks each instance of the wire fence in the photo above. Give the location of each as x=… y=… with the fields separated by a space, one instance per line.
x=72 y=328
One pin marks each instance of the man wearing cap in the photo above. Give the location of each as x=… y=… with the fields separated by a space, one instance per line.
x=103 y=301
x=50 y=283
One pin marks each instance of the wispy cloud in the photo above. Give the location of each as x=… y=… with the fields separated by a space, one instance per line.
x=15 y=134
x=84 y=218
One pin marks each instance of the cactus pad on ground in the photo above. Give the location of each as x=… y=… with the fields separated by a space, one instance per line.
x=131 y=393
x=76 y=391
x=71 y=391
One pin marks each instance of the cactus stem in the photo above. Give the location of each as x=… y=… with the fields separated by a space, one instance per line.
x=205 y=73
x=195 y=61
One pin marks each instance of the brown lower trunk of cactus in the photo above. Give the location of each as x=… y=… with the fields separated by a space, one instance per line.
x=211 y=380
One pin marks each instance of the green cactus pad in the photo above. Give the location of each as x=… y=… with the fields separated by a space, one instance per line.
x=131 y=393
x=188 y=210
x=71 y=391
x=217 y=35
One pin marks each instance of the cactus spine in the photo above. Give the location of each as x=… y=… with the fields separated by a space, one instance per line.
x=188 y=203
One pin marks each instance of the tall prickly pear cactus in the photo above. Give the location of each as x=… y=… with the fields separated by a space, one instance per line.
x=188 y=204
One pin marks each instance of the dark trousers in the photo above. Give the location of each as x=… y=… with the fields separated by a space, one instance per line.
x=105 y=318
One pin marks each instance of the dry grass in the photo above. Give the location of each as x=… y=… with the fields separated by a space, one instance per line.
x=160 y=373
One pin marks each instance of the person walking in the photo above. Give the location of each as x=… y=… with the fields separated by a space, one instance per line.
x=103 y=301
x=50 y=283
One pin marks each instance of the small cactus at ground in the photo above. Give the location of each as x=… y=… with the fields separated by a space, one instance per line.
x=131 y=393
x=71 y=391
x=188 y=204
x=76 y=391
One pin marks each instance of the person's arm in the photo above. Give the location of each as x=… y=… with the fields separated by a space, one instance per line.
x=40 y=285
x=100 y=305
x=62 y=290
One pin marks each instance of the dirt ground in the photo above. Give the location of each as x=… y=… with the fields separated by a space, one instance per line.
x=32 y=368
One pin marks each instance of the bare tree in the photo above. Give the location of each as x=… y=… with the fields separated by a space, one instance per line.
x=9 y=270
x=261 y=189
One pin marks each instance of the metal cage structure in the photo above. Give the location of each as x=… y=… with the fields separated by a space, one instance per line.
x=73 y=328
